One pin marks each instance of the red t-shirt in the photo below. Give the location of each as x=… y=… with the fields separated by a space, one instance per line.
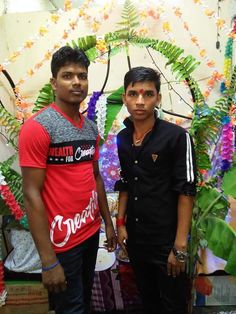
x=52 y=141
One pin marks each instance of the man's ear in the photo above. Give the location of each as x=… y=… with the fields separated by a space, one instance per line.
x=123 y=98
x=53 y=83
x=158 y=99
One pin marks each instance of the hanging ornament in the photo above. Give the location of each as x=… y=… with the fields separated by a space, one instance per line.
x=101 y=114
x=92 y=105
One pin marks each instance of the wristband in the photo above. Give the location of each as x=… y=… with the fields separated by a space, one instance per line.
x=120 y=222
x=50 y=266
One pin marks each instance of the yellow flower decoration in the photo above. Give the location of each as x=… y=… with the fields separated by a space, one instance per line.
x=166 y=27
x=30 y=72
x=95 y=26
x=202 y=53
x=47 y=55
x=54 y=18
x=220 y=23
x=67 y=5
x=43 y=31
x=209 y=12
x=14 y=56
x=101 y=45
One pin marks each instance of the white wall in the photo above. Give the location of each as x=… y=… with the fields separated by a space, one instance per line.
x=16 y=28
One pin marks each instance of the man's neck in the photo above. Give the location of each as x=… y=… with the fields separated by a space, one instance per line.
x=142 y=126
x=71 y=110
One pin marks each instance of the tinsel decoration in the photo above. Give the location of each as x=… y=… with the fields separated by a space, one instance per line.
x=101 y=114
x=227 y=144
x=92 y=105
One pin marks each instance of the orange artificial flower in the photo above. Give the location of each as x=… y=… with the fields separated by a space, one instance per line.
x=194 y=40
x=178 y=12
x=28 y=44
x=211 y=63
x=65 y=35
x=73 y=25
x=1 y=67
x=38 y=65
x=186 y=26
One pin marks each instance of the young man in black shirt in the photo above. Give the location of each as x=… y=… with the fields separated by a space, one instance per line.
x=156 y=192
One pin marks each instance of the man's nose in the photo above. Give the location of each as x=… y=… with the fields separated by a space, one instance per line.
x=76 y=80
x=140 y=100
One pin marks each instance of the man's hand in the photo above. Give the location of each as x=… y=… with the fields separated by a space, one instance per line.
x=174 y=268
x=111 y=238
x=122 y=237
x=54 y=279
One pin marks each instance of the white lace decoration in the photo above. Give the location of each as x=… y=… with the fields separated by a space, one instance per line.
x=101 y=114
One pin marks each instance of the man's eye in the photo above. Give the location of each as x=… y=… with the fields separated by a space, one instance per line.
x=83 y=77
x=132 y=94
x=149 y=94
x=67 y=76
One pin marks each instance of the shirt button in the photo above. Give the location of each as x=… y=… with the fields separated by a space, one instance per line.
x=135 y=161
x=136 y=178
x=136 y=219
x=135 y=198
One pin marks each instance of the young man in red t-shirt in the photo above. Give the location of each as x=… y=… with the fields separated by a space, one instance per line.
x=63 y=189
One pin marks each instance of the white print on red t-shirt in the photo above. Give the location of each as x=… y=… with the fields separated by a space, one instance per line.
x=82 y=153
x=72 y=225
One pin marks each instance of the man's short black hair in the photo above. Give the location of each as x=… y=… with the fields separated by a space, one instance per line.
x=66 y=55
x=142 y=74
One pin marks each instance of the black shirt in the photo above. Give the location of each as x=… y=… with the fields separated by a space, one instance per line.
x=154 y=174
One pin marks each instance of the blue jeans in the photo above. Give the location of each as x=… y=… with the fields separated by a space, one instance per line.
x=78 y=264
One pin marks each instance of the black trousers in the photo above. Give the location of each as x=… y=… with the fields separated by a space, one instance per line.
x=78 y=264
x=160 y=293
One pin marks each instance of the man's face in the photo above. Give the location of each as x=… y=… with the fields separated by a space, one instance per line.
x=141 y=99
x=71 y=84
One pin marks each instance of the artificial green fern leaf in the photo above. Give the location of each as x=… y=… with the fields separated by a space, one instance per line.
x=130 y=18
x=141 y=41
x=92 y=53
x=10 y=124
x=84 y=43
x=46 y=97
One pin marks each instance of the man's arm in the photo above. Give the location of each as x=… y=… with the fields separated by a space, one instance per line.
x=185 y=208
x=104 y=209
x=33 y=179
x=121 y=229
